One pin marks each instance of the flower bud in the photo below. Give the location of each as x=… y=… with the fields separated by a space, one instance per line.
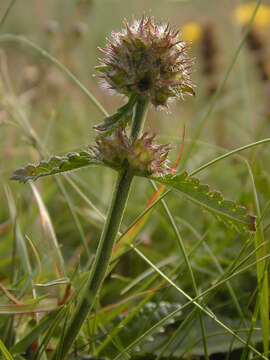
x=144 y=155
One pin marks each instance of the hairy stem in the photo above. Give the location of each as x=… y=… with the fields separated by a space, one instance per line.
x=106 y=244
x=139 y=117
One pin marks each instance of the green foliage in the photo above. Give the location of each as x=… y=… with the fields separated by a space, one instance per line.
x=33 y=335
x=5 y=352
x=44 y=306
x=218 y=341
x=55 y=165
x=120 y=119
x=145 y=318
x=229 y=212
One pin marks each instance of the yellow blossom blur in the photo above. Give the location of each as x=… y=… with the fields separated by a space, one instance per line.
x=191 y=31
x=243 y=13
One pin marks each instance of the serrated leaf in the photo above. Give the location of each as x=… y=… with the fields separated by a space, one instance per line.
x=55 y=165
x=227 y=211
x=121 y=118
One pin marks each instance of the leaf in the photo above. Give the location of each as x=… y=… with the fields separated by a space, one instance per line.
x=51 y=245
x=55 y=165
x=28 y=339
x=227 y=211
x=20 y=239
x=43 y=306
x=190 y=341
x=5 y=351
x=54 y=282
x=121 y=118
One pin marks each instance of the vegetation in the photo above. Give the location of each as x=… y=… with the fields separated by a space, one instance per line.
x=87 y=274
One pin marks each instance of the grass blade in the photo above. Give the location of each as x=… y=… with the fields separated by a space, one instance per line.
x=7 y=355
x=4 y=17
x=262 y=270
x=58 y=261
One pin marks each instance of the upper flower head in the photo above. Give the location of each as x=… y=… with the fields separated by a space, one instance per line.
x=147 y=59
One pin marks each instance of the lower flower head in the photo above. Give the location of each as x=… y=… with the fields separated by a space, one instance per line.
x=143 y=155
x=147 y=59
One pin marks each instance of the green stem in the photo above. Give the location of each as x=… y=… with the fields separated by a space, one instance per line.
x=139 y=117
x=102 y=259
x=106 y=244
x=3 y=19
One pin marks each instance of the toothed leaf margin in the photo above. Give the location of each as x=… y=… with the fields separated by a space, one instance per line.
x=55 y=165
x=227 y=211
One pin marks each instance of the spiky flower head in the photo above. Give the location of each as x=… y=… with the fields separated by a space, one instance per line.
x=149 y=60
x=143 y=155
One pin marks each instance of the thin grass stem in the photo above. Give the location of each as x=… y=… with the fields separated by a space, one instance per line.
x=262 y=270
x=188 y=264
x=6 y=13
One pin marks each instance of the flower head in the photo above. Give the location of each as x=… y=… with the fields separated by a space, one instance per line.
x=144 y=155
x=149 y=60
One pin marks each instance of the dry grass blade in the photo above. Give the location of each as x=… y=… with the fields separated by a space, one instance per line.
x=52 y=243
